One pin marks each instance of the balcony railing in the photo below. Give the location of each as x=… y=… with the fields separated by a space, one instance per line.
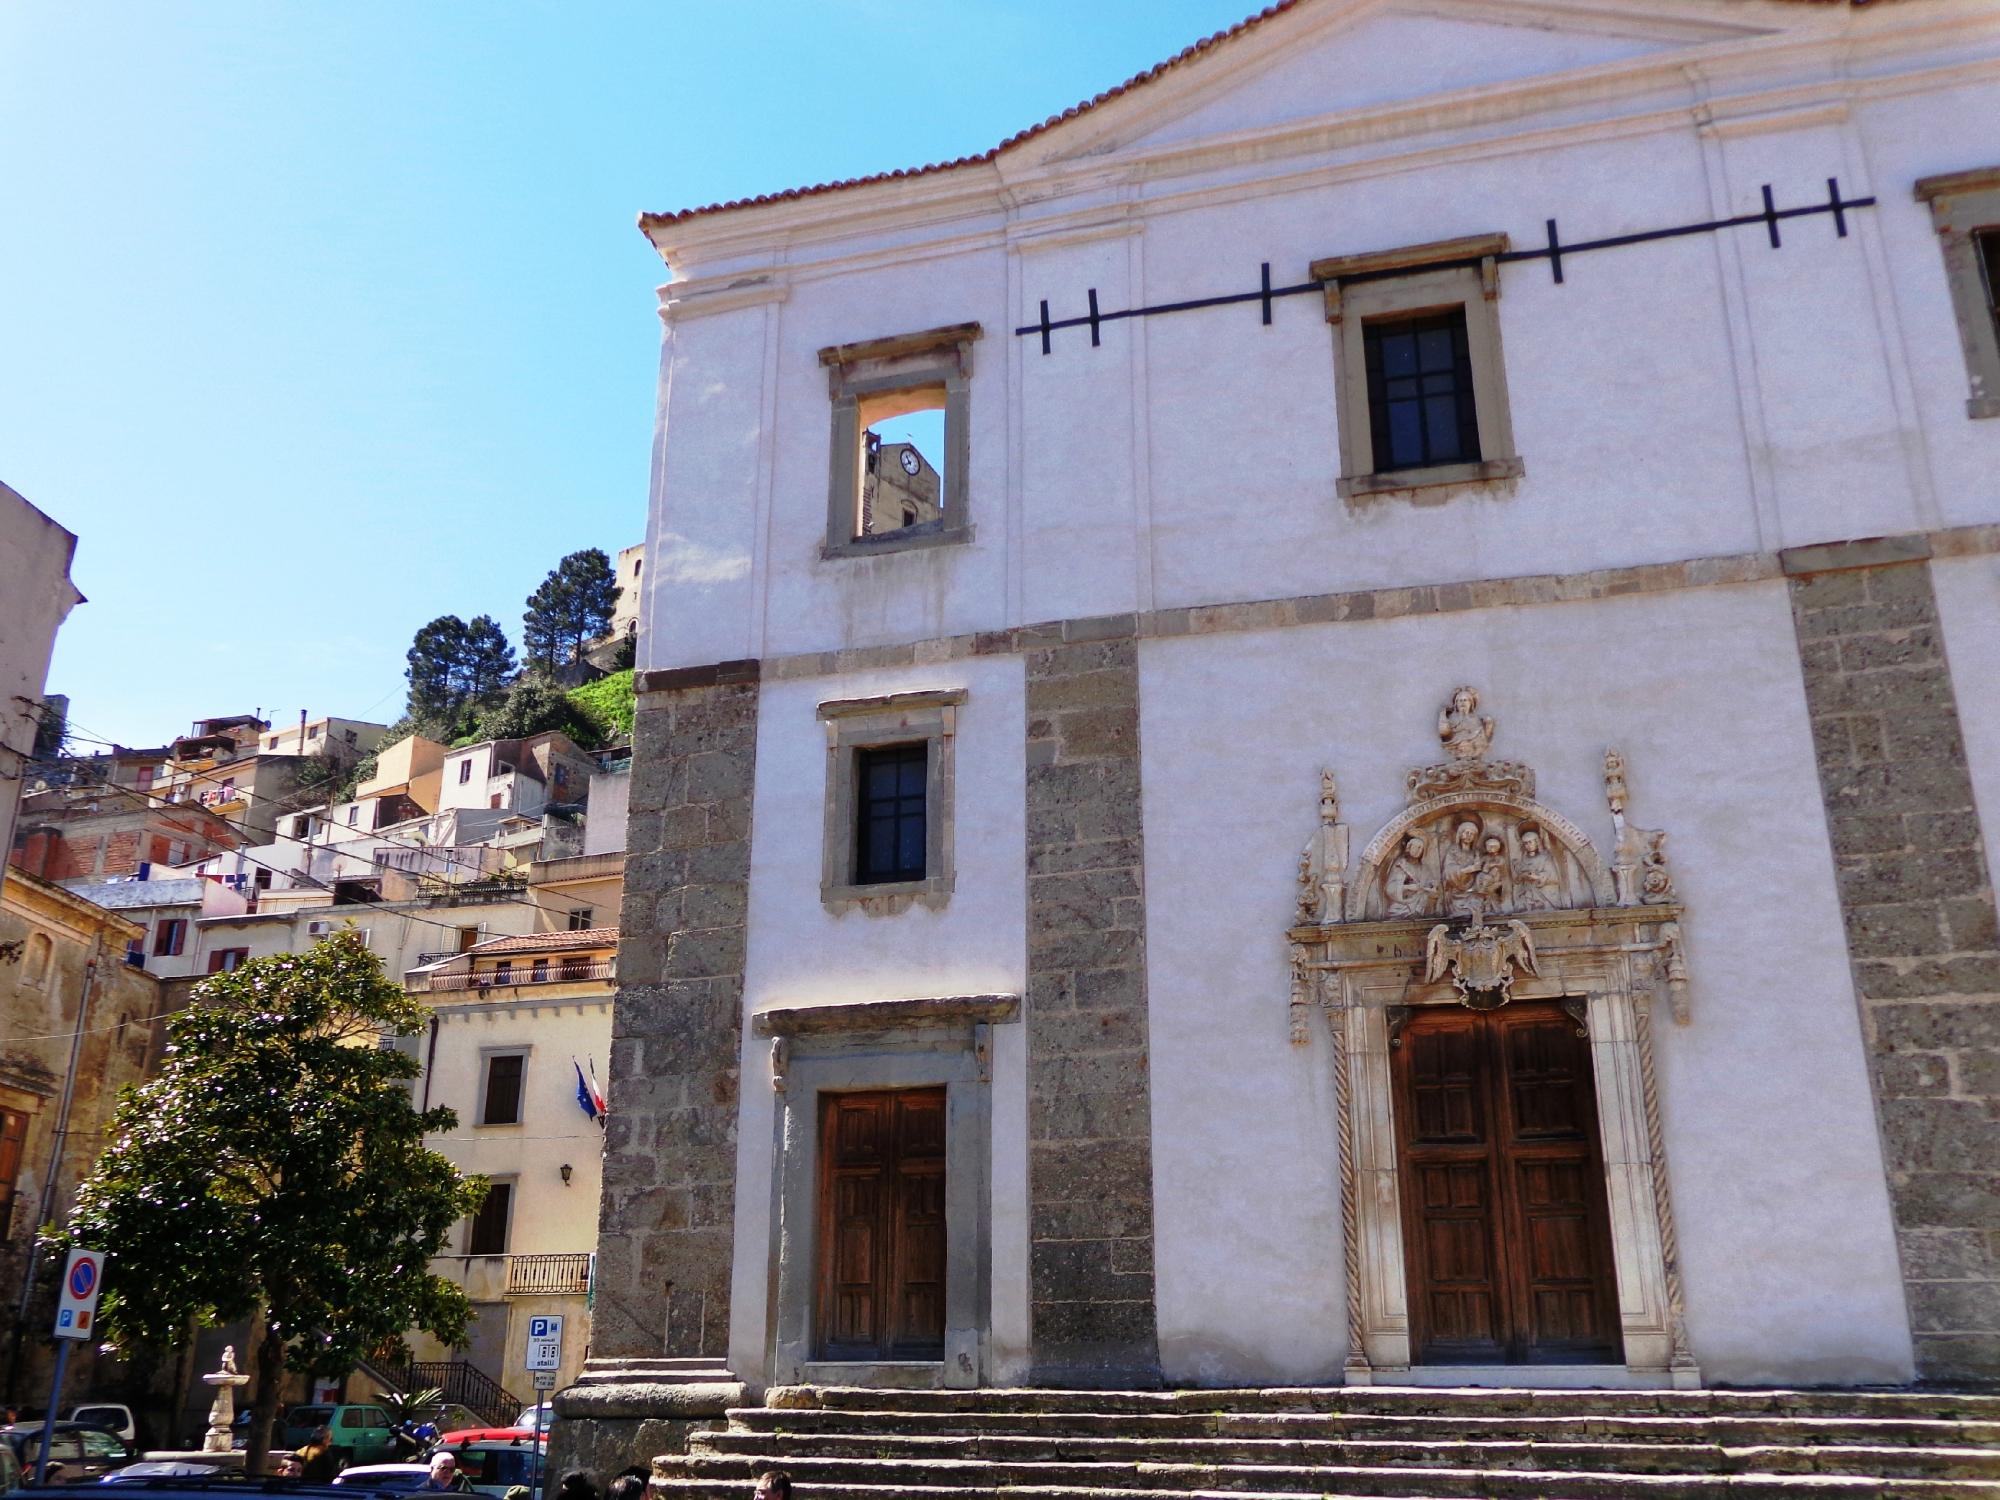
x=554 y=973
x=531 y=1275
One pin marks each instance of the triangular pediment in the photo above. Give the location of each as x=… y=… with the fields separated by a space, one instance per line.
x=1323 y=58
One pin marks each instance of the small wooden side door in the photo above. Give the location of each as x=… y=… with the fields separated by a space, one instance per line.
x=882 y=1226
x=1506 y=1229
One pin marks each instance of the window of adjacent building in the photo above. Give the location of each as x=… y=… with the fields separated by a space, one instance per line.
x=494 y=800
x=262 y=879
x=538 y=972
x=1420 y=388
x=302 y=828
x=888 y=828
x=313 y=733
x=135 y=952
x=465 y=771
x=13 y=1140
x=37 y=961
x=169 y=936
x=1965 y=211
x=579 y=918
x=353 y=815
x=500 y=1090
x=503 y=972
x=349 y=736
x=227 y=960
x=900 y=441
x=487 y=1234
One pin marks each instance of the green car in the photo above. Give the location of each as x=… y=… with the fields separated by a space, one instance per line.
x=361 y=1434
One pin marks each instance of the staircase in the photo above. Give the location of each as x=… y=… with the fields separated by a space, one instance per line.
x=842 y=1443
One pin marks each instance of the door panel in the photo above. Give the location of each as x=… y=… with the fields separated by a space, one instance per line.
x=882 y=1230
x=1507 y=1231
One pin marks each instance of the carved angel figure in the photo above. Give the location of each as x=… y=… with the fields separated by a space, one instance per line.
x=1408 y=888
x=1614 y=781
x=1466 y=734
x=1537 y=882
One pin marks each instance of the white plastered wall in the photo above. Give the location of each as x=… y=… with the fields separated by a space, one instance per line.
x=800 y=954
x=1775 y=1166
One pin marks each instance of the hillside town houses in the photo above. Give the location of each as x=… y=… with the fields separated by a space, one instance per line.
x=486 y=876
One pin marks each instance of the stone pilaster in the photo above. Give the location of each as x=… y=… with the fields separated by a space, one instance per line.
x=665 y=1235
x=1089 y=1099
x=1918 y=902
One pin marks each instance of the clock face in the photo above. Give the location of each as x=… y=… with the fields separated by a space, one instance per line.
x=911 y=463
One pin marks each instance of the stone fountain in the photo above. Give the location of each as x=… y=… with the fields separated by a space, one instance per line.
x=222 y=1415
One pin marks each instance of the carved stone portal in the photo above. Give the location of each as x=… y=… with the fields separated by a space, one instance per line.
x=1476 y=894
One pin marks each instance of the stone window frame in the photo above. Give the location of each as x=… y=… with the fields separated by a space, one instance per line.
x=1389 y=284
x=929 y=717
x=933 y=1041
x=934 y=357
x=1964 y=205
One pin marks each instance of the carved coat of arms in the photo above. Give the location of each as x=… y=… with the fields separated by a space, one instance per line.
x=1481 y=960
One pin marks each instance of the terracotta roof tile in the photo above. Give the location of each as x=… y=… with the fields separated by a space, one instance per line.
x=649 y=221
x=549 y=942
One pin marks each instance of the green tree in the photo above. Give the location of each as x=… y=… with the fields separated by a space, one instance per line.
x=276 y=1170
x=572 y=607
x=455 y=666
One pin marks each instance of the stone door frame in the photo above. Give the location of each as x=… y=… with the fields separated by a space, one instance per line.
x=895 y=1044
x=1603 y=965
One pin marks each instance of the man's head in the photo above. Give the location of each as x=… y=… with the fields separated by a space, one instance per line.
x=776 y=1485
x=444 y=1469
x=322 y=1436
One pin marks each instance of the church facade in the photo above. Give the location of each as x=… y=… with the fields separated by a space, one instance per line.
x=1419 y=808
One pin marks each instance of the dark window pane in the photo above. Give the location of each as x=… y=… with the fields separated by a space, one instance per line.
x=1420 y=400
x=503 y=1090
x=489 y=1225
x=889 y=833
x=1988 y=242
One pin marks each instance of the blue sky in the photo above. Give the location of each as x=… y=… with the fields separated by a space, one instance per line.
x=319 y=320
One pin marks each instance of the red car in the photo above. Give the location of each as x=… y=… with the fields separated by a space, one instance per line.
x=492 y=1435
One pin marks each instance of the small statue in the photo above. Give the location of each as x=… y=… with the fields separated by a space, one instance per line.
x=1490 y=884
x=1614 y=782
x=1408 y=888
x=1466 y=734
x=1537 y=882
x=1329 y=800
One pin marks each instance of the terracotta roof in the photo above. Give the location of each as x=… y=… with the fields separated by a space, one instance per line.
x=549 y=942
x=648 y=221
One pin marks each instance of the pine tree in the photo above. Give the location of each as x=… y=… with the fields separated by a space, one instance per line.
x=435 y=659
x=487 y=665
x=571 y=608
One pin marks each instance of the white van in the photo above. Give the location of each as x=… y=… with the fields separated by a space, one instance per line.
x=110 y=1417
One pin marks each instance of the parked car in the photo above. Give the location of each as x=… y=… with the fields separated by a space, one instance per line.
x=160 y=1468
x=537 y=1417
x=389 y=1478
x=10 y=1469
x=111 y=1416
x=76 y=1450
x=493 y=1467
x=361 y=1434
x=491 y=1435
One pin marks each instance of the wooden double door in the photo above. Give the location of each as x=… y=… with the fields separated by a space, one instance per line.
x=1505 y=1229
x=881 y=1226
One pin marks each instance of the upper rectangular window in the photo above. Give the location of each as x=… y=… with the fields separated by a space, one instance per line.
x=500 y=1101
x=465 y=770
x=579 y=918
x=1965 y=211
x=13 y=1140
x=1420 y=406
x=487 y=1234
x=889 y=807
x=1419 y=383
x=169 y=936
x=900 y=441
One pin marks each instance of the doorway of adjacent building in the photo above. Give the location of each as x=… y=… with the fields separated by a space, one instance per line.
x=1506 y=1231
x=881 y=1225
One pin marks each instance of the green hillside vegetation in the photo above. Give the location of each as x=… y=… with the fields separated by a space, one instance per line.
x=608 y=704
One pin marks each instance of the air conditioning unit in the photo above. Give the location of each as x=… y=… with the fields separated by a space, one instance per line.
x=319 y=929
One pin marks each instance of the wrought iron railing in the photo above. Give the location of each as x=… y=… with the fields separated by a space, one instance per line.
x=468 y=1385
x=552 y=973
x=548 y=1274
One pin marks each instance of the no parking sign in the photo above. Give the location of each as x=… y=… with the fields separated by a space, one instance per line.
x=83 y=1279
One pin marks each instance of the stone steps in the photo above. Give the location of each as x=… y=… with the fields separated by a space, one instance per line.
x=1724 y=1431
x=1890 y=1461
x=842 y=1443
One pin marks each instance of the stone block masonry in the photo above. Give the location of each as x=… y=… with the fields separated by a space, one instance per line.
x=1090 y=1183
x=1918 y=902
x=665 y=1234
